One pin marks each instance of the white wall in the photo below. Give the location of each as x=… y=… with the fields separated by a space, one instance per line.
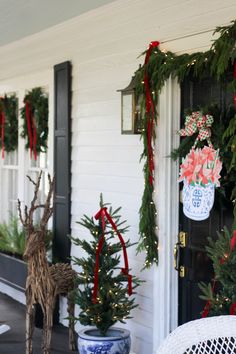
x=103 y=46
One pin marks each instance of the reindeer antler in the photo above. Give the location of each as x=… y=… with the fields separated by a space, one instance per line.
x=48 y=209
x=27 y=220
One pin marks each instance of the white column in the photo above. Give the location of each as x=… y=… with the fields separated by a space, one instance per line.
x=165 y=278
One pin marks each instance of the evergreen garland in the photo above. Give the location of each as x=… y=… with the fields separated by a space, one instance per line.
x=9 y=105
x=38 y=102
x=161 y=65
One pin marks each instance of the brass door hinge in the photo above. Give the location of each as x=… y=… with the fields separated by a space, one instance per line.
x=182 y=271
x=183 y=239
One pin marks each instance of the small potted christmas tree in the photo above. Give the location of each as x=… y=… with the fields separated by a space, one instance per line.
x=104 y=287
x=220 y=294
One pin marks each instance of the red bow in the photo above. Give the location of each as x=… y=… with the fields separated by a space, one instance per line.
x=102 y=214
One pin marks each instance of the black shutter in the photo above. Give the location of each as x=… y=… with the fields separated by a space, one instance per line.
x=62 y=158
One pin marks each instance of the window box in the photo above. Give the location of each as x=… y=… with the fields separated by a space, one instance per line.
x=13 y=271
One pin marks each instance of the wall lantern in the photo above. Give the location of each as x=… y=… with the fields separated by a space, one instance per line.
x=131 y=122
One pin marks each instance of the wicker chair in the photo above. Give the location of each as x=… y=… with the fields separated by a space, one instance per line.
x=213 y=335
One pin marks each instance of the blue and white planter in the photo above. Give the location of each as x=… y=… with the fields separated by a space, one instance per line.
x=198 y=200
x=117 y=341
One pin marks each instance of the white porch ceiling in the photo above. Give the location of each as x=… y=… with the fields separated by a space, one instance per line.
x=21 y=18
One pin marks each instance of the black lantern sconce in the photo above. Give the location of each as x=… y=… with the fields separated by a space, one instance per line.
x=131 y=121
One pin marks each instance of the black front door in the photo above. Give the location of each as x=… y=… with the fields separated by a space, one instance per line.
x=194 y=264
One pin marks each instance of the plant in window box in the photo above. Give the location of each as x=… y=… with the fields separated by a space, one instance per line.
x=104 y=288
x=12 y=238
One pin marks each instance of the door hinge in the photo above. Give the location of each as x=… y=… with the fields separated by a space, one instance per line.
x=182 y=271
x=183 y=239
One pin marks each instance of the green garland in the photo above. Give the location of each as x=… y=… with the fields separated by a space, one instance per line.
x=161 y=65
x=38 y=102
x=9 y=105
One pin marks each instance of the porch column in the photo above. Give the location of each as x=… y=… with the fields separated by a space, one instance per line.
x=165 y=280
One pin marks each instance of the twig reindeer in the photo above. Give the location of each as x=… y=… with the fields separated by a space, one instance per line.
x=44 y=282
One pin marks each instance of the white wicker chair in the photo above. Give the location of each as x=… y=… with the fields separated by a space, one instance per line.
x=213 y=335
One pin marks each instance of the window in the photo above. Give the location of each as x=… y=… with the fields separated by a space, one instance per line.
x=15 y=167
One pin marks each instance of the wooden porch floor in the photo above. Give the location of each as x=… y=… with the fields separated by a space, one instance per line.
x=13 y=314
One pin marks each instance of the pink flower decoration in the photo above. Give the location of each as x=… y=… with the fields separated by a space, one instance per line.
x=201 y=166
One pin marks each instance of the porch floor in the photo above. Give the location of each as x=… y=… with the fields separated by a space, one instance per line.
x=13 y=314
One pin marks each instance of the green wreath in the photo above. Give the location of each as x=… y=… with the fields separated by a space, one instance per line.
x=35 y=123
x=9 y=138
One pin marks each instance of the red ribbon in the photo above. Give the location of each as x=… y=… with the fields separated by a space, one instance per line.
x=235 y=79
x=31 y=127
x=103 y=213
x=2 y=131
x=233 y=241
x=206 y=309
x=232 y=310
x=149 y=109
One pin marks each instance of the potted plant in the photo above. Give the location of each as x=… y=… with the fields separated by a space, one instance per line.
x=200 y=172
x=104 y=288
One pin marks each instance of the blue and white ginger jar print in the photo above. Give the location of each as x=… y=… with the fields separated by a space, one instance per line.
x=198 y=200
x=117 y=341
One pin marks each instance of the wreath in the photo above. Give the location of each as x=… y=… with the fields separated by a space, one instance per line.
x=8 y=123
x=35 y=121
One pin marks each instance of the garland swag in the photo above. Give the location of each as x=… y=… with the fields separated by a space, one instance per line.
x=35 y=121
x=155 y=71
x=8 y=123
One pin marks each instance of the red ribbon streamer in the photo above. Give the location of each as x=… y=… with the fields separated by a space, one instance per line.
x=206 y=309
x=103 y=213
x=233 y=241
x=149 y=109
x=31 y=127
x=34 y=138
x=2 y=131
x=232 y=310
x=235 y=79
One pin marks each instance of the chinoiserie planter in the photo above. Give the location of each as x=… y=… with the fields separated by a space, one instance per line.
x=198 y=200
x=117 y=341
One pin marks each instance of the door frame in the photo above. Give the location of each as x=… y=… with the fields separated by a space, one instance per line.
x=165 y=277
